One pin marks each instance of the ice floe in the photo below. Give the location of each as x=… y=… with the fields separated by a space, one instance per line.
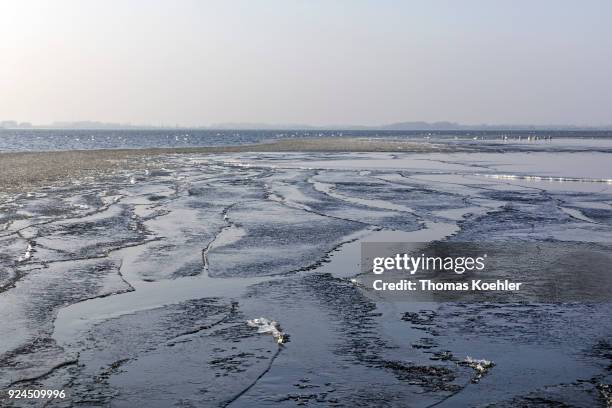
x=268 y=326
x=27 y=255
x=481 y=367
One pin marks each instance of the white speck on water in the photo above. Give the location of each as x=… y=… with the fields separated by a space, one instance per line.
x=268 y=326
x=27 y=255
x=480 y=366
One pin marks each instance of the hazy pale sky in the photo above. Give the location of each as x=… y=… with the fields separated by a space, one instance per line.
x=316 y=62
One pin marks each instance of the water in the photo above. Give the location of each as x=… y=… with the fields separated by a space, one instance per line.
x=15 y=140
x=138 y=286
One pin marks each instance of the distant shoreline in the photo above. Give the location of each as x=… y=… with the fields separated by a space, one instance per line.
x=341 y=130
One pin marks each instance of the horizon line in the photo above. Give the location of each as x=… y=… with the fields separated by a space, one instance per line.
x=397 y=126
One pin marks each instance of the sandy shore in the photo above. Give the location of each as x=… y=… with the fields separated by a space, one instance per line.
x=26 y=170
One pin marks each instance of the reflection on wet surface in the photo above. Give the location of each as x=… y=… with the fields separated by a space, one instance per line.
x=137 y=287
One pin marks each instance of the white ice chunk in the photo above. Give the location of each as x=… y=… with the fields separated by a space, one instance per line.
x=268 y=326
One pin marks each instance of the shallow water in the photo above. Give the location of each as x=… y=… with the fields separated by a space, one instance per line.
x=139 y=286
x=12 y=140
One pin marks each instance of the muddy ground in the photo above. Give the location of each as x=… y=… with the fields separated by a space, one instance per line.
x=131 y=284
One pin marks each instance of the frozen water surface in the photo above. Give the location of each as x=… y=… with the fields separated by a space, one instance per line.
x=138 y=286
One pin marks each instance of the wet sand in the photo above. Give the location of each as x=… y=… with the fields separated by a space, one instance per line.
x=135 y=288
x=22 y=171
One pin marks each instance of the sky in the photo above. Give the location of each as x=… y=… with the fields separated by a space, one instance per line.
x=317 y=62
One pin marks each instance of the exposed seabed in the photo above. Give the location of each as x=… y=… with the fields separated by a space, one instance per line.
x=134 y=287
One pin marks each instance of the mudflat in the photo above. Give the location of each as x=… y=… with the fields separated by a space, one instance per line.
x=24 y=170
